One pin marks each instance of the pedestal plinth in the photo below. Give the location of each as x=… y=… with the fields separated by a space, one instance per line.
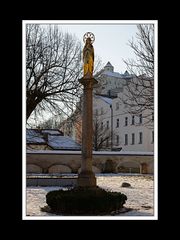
x=86 y=177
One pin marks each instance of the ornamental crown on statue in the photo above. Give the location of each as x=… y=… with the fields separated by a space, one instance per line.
x=88 y=55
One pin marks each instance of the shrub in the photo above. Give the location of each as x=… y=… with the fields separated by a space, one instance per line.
x=85 y=201
x=109 y=166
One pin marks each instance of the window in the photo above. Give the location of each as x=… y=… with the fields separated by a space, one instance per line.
x=102 y=110
x=140 y=119
x=132 y=120
x=136 y=86
x=140 y=137
x=101 y=125
x=126 y=121
x=117 y=139
x=107 y=142
x=152 y=141
x=117 y=123
x=117 y=106
x=107 y=124
x=133 y=139
x=126 y=139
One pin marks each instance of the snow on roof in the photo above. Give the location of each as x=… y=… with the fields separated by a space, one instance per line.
x=54 y=139
x=112 y=74
x=116 y=74
x=51 y=131
x=110 y=153
x=34 y=136
x=105 y=99
x=62 y=142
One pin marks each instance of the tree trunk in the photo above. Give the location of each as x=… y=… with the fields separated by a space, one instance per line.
x=31 y=104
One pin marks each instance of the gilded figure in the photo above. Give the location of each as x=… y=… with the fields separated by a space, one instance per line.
x=88 y=58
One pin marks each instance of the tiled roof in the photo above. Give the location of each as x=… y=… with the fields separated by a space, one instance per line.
x=63 y=143
x=51 y=137
x=34 y=136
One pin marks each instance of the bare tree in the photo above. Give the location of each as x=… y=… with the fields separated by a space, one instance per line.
x=138 y=95
x=53 y=67
x=51 y=123
x=101 y=135
x=72 y=126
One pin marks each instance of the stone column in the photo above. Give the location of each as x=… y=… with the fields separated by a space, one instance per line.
x=86 y=177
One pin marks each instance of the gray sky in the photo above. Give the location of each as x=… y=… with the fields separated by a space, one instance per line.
x=111 y=41
x=111 y=37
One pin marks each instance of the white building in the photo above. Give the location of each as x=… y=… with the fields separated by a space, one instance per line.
x=127 y=131
x=120 y=130
x=110 y=82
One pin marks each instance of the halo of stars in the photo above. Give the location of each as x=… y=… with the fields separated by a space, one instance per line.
x=89 y=35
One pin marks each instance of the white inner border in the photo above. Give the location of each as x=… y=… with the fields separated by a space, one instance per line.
x=86 y=22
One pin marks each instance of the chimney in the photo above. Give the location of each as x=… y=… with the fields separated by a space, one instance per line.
x=45 y=135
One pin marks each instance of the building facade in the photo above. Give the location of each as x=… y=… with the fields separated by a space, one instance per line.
x=128 y=132
x=115 y=128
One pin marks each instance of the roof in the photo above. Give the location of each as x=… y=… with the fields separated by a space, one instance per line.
x=95 y=153
x=108 y=64
x=63 y=143
x=51 y=137
x=105 y=99
x=117 y=75
x=34 y=136
x=51 y=131
x=114 y=92
x=126 y=73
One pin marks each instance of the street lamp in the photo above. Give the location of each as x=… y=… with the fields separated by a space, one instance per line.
x=111 y=126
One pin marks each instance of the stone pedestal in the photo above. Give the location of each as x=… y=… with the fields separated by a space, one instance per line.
x=86 y=177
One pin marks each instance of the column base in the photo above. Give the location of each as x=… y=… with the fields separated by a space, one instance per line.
x=86 y=179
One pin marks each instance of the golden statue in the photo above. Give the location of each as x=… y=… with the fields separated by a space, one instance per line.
x=88 y=55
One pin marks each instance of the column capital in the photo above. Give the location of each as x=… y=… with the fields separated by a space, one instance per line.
x=87 y=82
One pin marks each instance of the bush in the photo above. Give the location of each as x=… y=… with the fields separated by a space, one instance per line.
x=109 y=166
x=85 y=201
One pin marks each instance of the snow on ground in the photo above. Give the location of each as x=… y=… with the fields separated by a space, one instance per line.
x=140 y=196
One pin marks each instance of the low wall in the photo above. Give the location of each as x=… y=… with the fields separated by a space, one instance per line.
x=46 y=161
x=63 y=182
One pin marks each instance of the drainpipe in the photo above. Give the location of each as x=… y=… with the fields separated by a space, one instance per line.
x=111 y=127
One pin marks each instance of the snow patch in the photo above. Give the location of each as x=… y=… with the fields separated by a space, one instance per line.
x=140 y=195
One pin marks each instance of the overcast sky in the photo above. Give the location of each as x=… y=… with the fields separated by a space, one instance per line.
x=111 y=41
x=111 y=37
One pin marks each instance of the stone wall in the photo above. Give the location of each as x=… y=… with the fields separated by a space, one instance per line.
x=103 y=162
